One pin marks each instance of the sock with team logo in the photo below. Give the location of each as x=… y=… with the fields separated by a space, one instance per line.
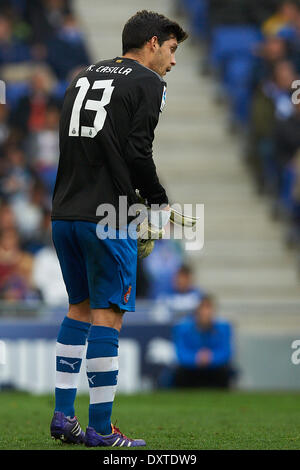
x=102 y=371
x=70 y=348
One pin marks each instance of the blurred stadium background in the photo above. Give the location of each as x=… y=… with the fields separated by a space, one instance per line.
x=229 y=137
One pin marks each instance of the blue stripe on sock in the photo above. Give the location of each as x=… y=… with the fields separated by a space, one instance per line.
x=68 y=364
x=100 y=332
x=99 y=417
x=64 y=400
x=101 y=350
x=102 y=342
x=73 y=332
x=77 y=324
x=102 y=379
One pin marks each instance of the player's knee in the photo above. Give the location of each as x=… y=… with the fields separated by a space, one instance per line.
x=80 y=311
x=110 y=317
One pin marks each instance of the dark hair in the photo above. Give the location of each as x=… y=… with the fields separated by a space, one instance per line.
x=185 y=269
x=207 y=299
x=141 y=27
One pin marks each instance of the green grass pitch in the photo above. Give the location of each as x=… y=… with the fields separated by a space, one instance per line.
x=167 y=420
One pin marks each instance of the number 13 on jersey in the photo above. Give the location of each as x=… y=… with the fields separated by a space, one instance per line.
x=75 y=130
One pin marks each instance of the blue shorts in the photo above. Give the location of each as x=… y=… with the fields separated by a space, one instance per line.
x=103 y=270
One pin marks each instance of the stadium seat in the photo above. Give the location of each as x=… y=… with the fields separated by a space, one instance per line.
x=237 y=82
x=241 y=101
x=229 y=41
x=197 y=11
x=232 y=56
x=239 y=70
x=15 y=91
x=60 y=89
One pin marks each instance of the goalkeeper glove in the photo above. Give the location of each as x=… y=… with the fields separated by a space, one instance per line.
x=147 y=234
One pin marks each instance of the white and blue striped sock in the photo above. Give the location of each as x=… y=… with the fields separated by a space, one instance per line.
x=70 y=348
x=102 y=372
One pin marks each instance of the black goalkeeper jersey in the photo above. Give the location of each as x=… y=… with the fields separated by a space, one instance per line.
x=107 y=124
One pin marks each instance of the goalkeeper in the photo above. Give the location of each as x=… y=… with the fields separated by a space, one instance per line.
x=107 y=124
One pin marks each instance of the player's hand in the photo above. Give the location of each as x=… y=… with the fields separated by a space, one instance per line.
x=204 y=357
x=151 y=229
x=147 y=234
x=148 y=231
x=145 y=247
x=159 y=218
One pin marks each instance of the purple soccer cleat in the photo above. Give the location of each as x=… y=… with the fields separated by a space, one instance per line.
x=115 y=439
x=66 y=429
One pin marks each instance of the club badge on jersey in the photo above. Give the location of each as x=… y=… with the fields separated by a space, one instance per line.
x=163 y=100
x=127 y=295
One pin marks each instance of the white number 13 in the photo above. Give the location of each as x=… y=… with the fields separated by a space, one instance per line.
x=84 y=131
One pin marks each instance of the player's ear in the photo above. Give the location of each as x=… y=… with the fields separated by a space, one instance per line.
x=154 y=44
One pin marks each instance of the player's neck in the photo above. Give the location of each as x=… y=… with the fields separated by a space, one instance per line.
x=138 y=57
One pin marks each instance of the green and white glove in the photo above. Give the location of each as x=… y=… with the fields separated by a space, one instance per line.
x=145 y=248
x=152 y=227
x=148 y=234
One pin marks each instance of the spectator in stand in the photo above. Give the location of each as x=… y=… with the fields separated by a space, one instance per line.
x=204 y=349
x=29 y=211
x=291 y=34
x=184 y=296
x=67 y=50
x=161 y=267
x=272 y=50
x=43 y=147
x=30 y=113
x=7 y=217
x=48 y=279
x=287 y=145
x=42 y=235
x=4 y=129
x=287 y=137
x=17 y=178
x=283 y=17
x=45 y=17
x=15 y=269
x=271 y=103
x=47 y=275
x=12 y=50
x=289 y=201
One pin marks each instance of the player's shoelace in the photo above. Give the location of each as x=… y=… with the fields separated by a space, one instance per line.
x=115 y=439
x=116 y=430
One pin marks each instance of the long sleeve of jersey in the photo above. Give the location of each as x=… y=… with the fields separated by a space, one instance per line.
x=138 y=153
